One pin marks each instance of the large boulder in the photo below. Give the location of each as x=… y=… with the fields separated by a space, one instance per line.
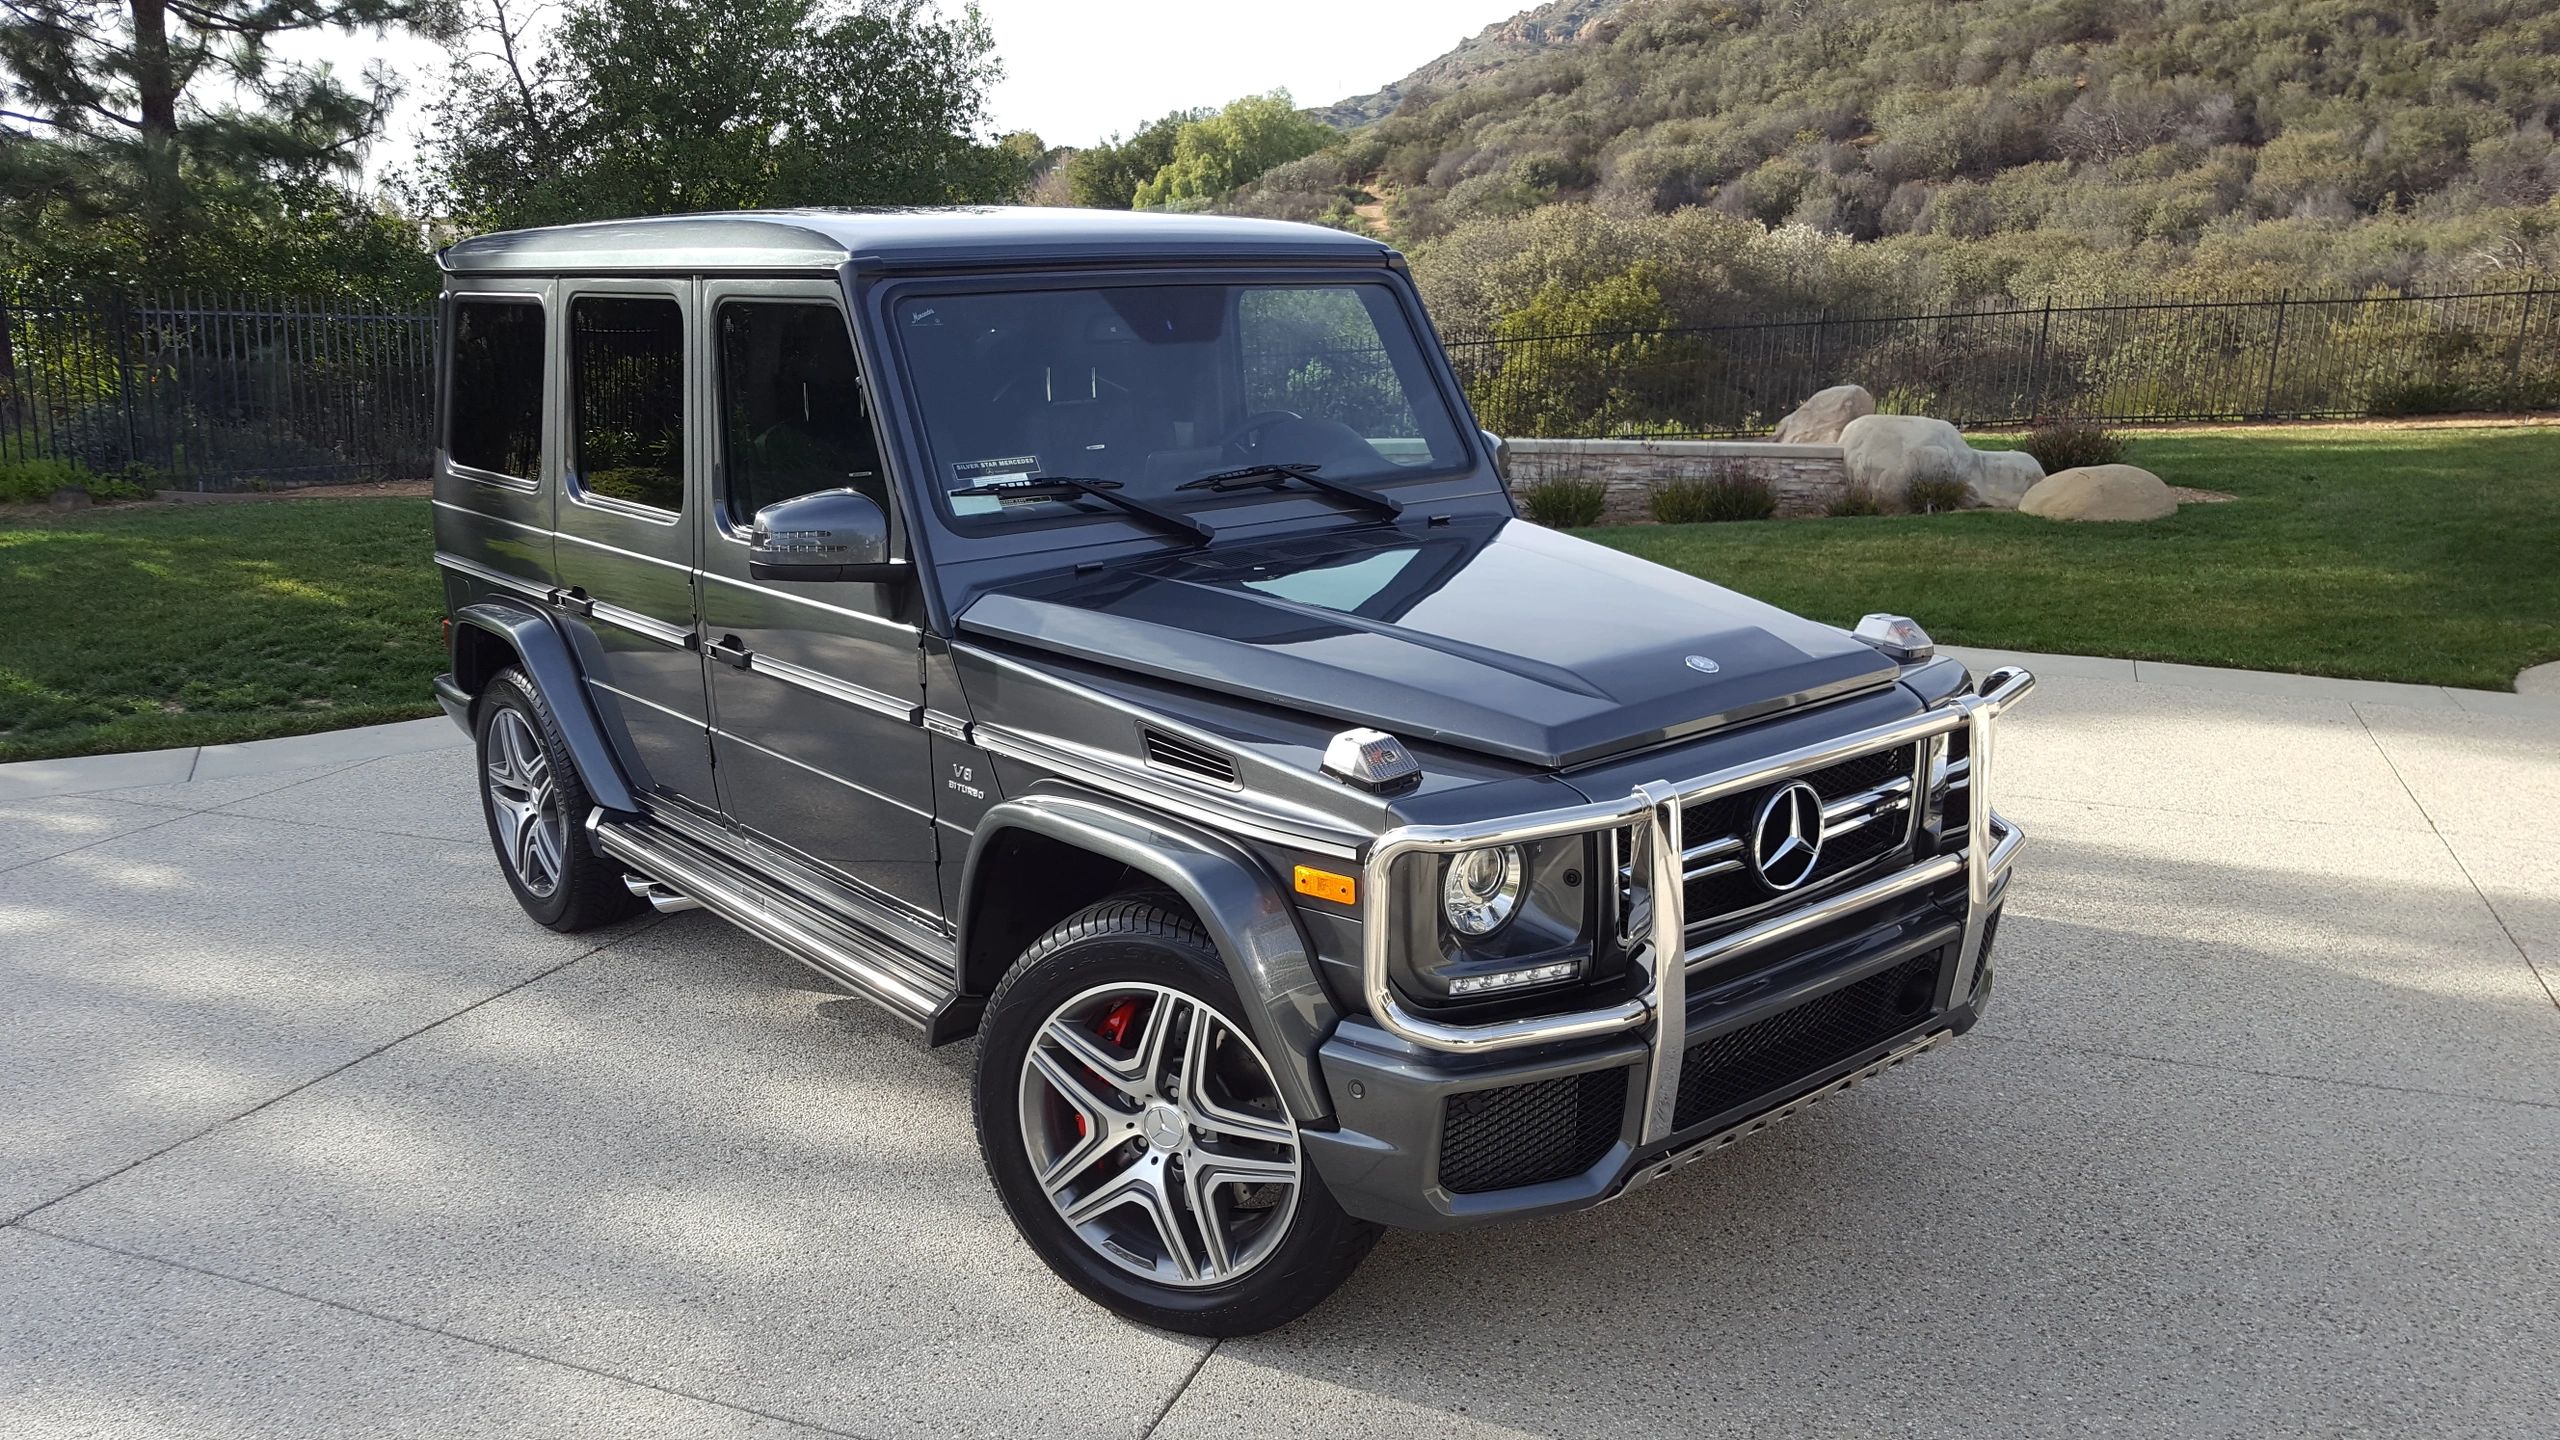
x=1819 y=421
x=2101 y=492
x=1886 y=453
x=2005 y=479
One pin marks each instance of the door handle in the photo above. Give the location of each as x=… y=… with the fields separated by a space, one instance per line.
x=728 y=651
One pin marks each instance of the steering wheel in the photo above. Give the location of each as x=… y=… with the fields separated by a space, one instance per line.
x=1251 y=428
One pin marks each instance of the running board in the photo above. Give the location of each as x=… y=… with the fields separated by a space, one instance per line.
x=688 y=872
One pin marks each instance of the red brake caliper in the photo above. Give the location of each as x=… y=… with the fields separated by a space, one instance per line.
x=1114 y=1027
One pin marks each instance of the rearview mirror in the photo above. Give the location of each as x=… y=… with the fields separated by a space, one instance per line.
x=1500 y=449
x=831 y=535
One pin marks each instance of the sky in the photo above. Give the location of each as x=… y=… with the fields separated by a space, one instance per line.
x=1079 y=73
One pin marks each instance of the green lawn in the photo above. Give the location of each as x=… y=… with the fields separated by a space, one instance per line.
x=2390 y=554
x=133 y=629
x=2377 y=553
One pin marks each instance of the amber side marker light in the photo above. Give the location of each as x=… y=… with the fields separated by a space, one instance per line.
x=1325 y=885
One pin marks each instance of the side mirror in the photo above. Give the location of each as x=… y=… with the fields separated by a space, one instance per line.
x=831 y=535
x=1501 y=452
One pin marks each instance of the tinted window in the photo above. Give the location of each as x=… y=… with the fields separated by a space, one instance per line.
x=791 y=410
x=496 y=422
x=1156 y=387
x=626 y=386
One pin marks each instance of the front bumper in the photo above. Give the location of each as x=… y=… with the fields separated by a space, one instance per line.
x=1445 y=1124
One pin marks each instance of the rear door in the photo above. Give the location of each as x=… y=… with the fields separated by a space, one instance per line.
x=626 y=531
x=817 y=688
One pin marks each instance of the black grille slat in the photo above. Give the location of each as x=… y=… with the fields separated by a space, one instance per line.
x=1750 y=1061
x=1171 y=752
x=1527 y=1134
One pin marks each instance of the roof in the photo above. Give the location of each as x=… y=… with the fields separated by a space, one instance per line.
x=894 y=239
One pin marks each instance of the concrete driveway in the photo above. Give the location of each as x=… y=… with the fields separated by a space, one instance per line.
x=308 y=1131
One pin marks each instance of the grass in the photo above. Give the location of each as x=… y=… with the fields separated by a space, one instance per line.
x=2372 y=552
x=2387 y=553
x=136 y=629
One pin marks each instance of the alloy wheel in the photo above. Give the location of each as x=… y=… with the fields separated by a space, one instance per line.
x=532 y=833
x=1155 y=1129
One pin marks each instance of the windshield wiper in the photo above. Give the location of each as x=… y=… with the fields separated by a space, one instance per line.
x=1275 y=474
x=1066 y=487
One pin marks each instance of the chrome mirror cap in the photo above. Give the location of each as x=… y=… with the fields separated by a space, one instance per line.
x=1370 y=759
x=1898 y=636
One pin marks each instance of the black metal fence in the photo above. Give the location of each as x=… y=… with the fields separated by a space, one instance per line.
x=2279 y=357
x=220 y=393
x=215 y=392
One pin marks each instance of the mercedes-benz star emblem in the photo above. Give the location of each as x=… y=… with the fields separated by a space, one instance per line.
x=1786 y=836
x=1703 y=665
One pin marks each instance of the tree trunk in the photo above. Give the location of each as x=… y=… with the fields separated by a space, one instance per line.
x=155 y=84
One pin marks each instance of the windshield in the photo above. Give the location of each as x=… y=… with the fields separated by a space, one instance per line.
x=1148 y=389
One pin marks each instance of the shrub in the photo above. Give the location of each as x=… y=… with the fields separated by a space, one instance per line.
x=1932 y=493
x=1564 y=504
x=2068 y=443
x=32 y=482
x=1714 y=498
x=1855 y=500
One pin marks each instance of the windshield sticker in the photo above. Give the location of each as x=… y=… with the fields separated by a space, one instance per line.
x=966 y=474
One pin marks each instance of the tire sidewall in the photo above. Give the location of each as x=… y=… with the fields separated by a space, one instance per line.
x=1310 y=1260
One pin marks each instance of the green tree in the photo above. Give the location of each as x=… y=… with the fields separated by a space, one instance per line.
x=1107 y=176
x=659 y=107
x=1214 y=155
x=163 y=139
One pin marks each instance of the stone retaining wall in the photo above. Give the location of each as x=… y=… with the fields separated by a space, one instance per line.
x=1806 y=478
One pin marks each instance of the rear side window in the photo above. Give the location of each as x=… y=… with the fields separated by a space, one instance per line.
x=626 y=387
x=496 y=423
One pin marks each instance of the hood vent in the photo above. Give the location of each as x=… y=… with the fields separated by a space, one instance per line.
x=1189 y=759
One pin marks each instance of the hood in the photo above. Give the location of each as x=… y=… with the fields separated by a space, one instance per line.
x=1490 y=634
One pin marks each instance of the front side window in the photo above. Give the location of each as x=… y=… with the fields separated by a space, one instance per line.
x=1152 y=388
x=495 y=424
x=626 y=389
x=792 y=418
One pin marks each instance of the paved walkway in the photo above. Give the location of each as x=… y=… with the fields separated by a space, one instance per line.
x=310 y=1132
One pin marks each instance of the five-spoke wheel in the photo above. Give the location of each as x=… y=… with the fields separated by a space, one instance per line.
x=1140 y=1137
x=532 y=835
x=536 y=802
x=1157 y=1132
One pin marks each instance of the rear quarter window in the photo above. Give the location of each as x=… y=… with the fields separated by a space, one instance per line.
x=495 y=424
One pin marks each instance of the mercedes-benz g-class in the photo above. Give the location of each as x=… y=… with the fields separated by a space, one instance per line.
x=1108 y=637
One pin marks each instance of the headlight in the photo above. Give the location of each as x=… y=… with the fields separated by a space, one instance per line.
x=1482 y=889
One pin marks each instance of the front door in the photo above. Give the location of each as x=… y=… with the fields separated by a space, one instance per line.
x=817 y=687
x=625 y=546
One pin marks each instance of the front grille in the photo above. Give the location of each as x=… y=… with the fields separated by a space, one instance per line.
x=1527 y=1134
x=1720 y=896
x=1753 y=1060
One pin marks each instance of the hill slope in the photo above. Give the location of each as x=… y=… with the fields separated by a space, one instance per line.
x=1560 y=22
x=2356 y=140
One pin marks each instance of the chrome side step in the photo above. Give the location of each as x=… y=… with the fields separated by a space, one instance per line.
x=660 y=898
x=692 y=875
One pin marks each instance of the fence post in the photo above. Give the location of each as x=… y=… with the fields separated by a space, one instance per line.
x=2267 y=405
x=2515 y=356
x=120 y=314
x=2035 y=364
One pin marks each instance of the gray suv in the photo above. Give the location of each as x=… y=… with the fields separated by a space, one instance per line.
x=1108 y=637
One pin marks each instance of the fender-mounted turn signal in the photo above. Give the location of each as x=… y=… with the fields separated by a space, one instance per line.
x=1325 y=885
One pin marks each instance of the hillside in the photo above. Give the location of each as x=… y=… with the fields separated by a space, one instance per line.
x=1988 y=146
x=1560 y=22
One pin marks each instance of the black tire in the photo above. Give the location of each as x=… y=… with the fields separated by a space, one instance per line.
x=1143 y=941
x=588 y=889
